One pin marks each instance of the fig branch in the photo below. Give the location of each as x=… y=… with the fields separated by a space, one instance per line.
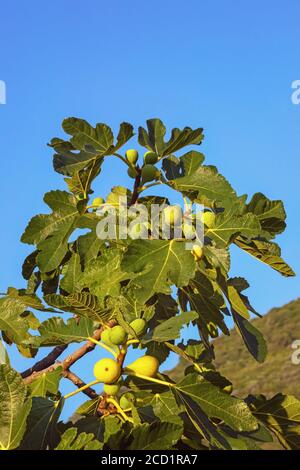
x=44 y=365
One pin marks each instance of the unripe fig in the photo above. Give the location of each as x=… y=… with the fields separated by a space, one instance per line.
x=117 y=335
x=207 y=218
x=138 y=325
x=112 y=389
x=150 y=157
x=131 y=173
x=197 y=252
x=149 y=173
x=189 y=231
x=105 y=336
x=107 y=370
x=97 y=202
x=113 y=199
x=132 y=156
x=145 y=365
x=138 y=230
x=127 y=400
x=172 y=215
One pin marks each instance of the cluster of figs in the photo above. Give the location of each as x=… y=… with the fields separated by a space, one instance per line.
x=109 y=371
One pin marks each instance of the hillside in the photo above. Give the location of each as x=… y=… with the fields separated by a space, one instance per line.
x=280 y=326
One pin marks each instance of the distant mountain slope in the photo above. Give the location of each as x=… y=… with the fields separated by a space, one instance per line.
x=280 y=326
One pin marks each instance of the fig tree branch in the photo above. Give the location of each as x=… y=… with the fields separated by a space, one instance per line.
x=67 y=374
x=46 y=362
x=135 y=193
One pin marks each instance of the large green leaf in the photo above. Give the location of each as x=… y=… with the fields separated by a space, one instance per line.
x=42 y=432
x=203 y=184
x=64 y=213
x=69 y=282
x=160 y=263
x=11 y=321
x=70 y=440
x=204 y=427
x=281 y=414
x=184 y=166
x=46 y=384
x=55 y=331
x=88 y=246
x=14 y=408
x=205 y=300
x=80 y=182
x=83 y=304
x=153 y=137
x=99 y=139
x=104 y=275
x=156 y=436
x=215 y=403
x=266 y=252
x=170 y=329
x=230 y=224
x=271 y=214
x=87 y=305
x=252 y=337
x=68 y=160
x=87 y=147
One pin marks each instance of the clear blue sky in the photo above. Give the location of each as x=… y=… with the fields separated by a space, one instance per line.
x=224 y=65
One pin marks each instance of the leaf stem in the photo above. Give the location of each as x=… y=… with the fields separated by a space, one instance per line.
x=122 y=413
x=126 y=162
x=103 y=346
x=151 y=379
x=143 y=188
x=71 y=394
x=132 y=341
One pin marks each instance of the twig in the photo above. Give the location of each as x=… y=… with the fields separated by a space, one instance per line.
x=137 y=182
x=45 y=364
x=46 y=361
x=104 y=346
x=90 y=392
x=84 y=388
x=67 y=374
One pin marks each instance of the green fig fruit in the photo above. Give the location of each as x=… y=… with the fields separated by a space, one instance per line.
x=149 y=173
x=150 y=158
x=127 y=400
x=107 y=370
x=145 y=365
x=105 y=336
x=112 y=389
x=138 y=230
x=131 y=173
x=132 y=156
x=207 y=218
x=138 y=325
x=189 y=231
x=197 y=252
x=118 y=335
x=113 y=199
x=172 y=215
x=97 y=202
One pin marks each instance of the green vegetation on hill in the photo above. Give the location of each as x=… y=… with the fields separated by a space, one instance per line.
x=280 y=326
